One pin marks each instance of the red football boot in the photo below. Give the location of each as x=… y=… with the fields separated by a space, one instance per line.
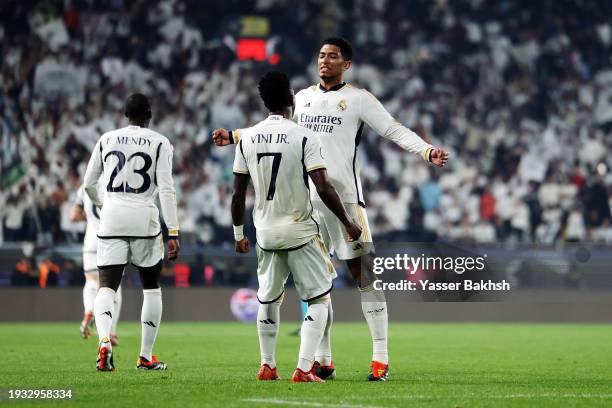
x=380 y=371
x=266 y=373
x=301 y=376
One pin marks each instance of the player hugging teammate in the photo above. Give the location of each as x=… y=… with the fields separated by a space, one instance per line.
x=336 y=112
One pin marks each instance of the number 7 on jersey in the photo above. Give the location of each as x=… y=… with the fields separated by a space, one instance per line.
x=275 y=166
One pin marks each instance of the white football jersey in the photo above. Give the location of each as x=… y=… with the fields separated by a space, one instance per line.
x=278 y=154
x=90 y=242
x=337 y=116
x=133 y=166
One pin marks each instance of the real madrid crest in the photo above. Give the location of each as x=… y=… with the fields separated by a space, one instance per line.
x=341 y=105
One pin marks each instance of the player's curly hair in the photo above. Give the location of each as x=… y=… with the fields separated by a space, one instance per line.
x=346 y=49
x=275 y=91
x=137 y=107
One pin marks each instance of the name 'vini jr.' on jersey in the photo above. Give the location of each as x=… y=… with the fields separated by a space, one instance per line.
x=270 y=138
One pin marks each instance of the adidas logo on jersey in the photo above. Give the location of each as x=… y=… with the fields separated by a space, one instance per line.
x=307 y=105
x=357 y=246
x=149 y=323
x=267 y=321
x=108 y=313
x=309 y=319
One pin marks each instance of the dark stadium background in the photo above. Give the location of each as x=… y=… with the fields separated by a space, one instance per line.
x=519 y=92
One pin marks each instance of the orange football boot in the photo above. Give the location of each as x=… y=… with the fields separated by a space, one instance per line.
x=154 y=364
x=301 y=376
x=267 y=373
x=380 y=371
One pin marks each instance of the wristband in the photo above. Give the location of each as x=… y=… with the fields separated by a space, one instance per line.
x=238 y=232
x=428 y=153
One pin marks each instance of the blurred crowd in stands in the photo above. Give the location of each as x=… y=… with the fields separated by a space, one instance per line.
x=519 y=92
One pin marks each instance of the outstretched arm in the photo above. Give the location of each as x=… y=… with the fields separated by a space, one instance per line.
x=376 y=116
x=224 y=137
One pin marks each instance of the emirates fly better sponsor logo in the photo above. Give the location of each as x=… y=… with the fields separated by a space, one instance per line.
x=320 y=123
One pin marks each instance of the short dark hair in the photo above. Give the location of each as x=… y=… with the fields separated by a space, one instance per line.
x=346 y=49
x=137 y=107
x=275 y=91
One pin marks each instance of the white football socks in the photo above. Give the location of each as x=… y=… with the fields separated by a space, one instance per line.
x=374 y=307
x=312 y=333
x=103 y=311
x=268 y=322
x=118 y=302
x=323 y=354
x=150 y=318
x=90 y=290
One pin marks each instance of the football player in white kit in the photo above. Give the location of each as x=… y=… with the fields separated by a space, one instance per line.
x=134 y=166
x=279 y=156
x=84 y=210
x=336 y=112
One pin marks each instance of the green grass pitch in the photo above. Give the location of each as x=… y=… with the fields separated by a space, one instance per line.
x=215 y=364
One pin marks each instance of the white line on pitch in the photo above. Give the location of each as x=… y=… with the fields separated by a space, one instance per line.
x=305 y=404
x=502 y=396
x=550 y=395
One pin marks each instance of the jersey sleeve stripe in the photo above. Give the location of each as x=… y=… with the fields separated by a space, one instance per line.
x=315 y=168
x=304 y=140
x=101 y=158
x=357 y=141
x=242 y=151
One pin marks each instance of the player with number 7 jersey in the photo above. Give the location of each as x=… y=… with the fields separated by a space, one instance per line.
x=280 y=156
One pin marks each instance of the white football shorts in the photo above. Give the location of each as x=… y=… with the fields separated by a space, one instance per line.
x=334 y=235
x=309 y=265
x=143 y=252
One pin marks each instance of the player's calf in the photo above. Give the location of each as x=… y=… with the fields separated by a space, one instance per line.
x=313 y=327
